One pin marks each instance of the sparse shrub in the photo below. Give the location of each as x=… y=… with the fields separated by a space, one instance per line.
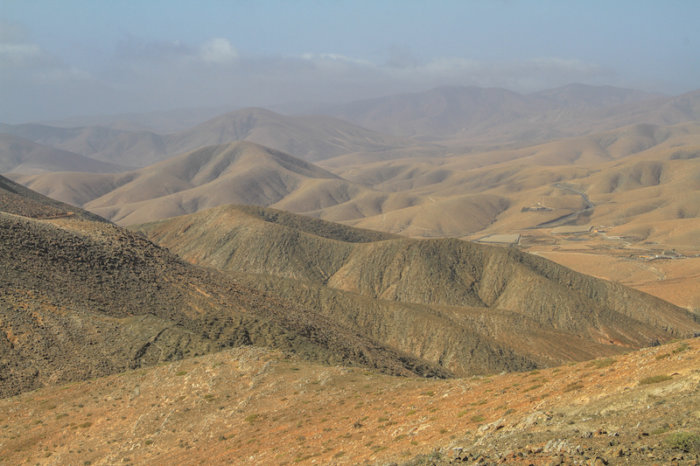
x=575 y=386
x=682 y=347
x=477 y=418
x=601 y=363
x=428 y=393
x=252 y=418
x=180 y=373
x=663 y=356
x=660 y=430
x=687 y=441
x=148 y=442
x=654 y=379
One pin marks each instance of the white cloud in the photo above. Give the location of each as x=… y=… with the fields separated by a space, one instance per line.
x=150 y=75
x=218 y=51
x=324 y=58
x=18 y=54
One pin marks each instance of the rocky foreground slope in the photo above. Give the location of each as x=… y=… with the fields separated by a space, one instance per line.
x=255 y=406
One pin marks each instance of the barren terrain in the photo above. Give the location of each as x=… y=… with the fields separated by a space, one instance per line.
x=254 y=406
x=478 y=276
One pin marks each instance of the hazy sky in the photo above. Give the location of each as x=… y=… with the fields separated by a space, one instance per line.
x=62 y=57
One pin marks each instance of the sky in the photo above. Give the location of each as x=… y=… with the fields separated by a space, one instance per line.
x=69 y=57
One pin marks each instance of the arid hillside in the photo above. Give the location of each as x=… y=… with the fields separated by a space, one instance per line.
x=472 y=297
x=73 y=281
x=628 y=194
x=255 y=406
x=84 y=298
x=240 y=172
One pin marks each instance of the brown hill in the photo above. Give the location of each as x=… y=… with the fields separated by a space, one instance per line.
x=128 y=148
x=639 y=178
x=239 y=172
x=18 y=155
x=254 y=406
x=311 y=138
x=83 y=298
x=389 y=287
x=308 y=137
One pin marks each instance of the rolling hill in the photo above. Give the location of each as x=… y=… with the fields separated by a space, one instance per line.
x=472 y=297
x=644 y=168
x=84 y=298
x=310 y=138
x=22 y=156
x=240 y=172
x=326 y=292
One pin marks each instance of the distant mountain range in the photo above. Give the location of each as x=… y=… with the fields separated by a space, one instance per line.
x=307 y=137
x=24 y=156
x=431 y=123
x=493 y=116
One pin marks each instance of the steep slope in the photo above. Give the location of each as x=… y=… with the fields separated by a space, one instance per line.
x=254 y=406
x=240 y=172
x=83 y=298
x=390 y=287
x=18 y=155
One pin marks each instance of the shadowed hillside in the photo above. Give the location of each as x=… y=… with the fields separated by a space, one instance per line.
x=390 y=287
x=83 y=298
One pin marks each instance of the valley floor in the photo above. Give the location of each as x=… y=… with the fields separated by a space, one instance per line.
x=257 y=406
x=670 y=274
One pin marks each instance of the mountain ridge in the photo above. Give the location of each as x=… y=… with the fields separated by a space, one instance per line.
x=379 y=286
